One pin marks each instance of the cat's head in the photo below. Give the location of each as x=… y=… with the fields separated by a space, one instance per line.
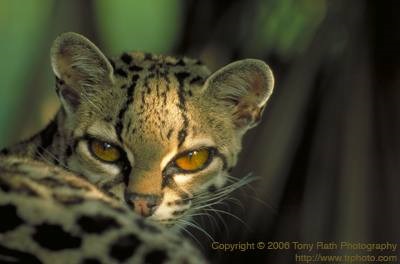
x=158 y=132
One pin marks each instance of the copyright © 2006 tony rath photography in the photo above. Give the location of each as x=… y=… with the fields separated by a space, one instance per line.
x=305 y=246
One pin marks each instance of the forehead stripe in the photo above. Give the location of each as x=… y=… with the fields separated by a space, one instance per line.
x=181 y=76
x=119 y=124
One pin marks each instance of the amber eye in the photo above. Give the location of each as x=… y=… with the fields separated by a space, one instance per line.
x=105 y=151
x=193 y=160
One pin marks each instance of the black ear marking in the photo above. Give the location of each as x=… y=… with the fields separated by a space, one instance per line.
x=244 y=87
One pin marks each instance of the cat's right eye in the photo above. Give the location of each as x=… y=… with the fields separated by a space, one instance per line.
x=193 y=160
x=104 y=151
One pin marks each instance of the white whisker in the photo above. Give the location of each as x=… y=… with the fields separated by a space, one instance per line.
x=197 y=227
x=182 y=227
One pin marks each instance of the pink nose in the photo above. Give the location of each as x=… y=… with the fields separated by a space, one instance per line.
x=142 y=204
x=142 y=207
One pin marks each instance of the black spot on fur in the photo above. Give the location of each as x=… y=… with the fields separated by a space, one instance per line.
x=180 y=63
x=125 y=57
x=155 y=257
x=134 y=79
x=9 y=219
x=212 y=188
x=143 y=225
x=4 y=186
x=26 y=189
x=148 y=56
x=181 y=76
x=68 y=200
x=51 y=182
x=4 y=151
x=46 y=137
x=177 y=213
x=121 y=72
x=135 y=68
x=8 y=255
x=97 y=224
x=91 y=261
x=197 y=80
x=124 y=247
x=54 y=237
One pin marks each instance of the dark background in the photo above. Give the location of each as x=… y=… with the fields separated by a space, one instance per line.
x=327 y=152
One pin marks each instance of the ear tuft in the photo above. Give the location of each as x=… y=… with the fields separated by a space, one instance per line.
x=244 y=87
x=80 y=66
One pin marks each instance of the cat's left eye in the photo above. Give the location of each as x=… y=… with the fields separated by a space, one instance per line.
x=104 y=151
x=193 y=160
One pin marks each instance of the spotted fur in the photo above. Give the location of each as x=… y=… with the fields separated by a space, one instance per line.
x=49 y=215
x=153 y=108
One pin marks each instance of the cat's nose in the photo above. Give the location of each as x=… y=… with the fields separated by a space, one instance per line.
x=143 y=204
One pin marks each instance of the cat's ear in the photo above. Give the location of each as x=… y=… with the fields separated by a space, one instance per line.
x=80 y=67
x=244 y=87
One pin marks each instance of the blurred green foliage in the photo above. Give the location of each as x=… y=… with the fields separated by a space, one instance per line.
x=140 y=25
x=285 y=26
x=28 y=27
x=21 y=31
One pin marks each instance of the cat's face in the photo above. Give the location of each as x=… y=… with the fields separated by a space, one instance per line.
x=155 y=131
